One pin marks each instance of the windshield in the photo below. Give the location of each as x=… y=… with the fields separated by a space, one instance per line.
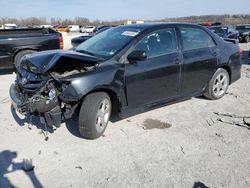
x=109 y=42
x=243 y=27
x=219 y=29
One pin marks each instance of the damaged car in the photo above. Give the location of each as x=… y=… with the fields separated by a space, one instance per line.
x=124 y=71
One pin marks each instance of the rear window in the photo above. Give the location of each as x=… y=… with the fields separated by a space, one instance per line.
x=195 y=38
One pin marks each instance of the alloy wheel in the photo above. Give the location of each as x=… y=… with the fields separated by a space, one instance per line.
x=103 y=113
x=220 y=85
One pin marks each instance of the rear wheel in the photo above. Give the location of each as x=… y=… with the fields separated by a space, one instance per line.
x=94 y=115
x=20 y=55
x=218 y=85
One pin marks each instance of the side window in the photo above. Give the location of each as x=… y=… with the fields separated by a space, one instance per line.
x=195 y=39
x=158 y=43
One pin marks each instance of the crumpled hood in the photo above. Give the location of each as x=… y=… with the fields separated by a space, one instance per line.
x=46 y=60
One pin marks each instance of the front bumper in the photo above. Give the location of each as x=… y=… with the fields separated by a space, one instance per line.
x=45 y=109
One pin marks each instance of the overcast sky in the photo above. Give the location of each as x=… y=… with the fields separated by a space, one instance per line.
x=120 y=9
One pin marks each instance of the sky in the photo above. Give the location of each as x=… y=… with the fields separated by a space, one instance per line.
x=111 y=10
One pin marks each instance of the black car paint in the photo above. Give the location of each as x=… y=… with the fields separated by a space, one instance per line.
x=243 y=33
x=140 y=86
x=229 y=33
x=16 y=40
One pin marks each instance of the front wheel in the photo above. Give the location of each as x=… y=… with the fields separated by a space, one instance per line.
x=20 y=55
x=218 y=85
x=94 y=115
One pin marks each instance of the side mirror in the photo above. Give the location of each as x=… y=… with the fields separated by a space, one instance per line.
x=137 y=56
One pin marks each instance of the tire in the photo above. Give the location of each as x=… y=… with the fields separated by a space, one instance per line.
x=94 y=115
x=247 y=39
x=20 y=55
x=218 y=85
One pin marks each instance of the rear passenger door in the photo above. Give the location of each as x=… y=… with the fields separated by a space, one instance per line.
x=200 y=60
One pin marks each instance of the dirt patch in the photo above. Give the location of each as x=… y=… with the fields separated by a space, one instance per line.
x=155 y=124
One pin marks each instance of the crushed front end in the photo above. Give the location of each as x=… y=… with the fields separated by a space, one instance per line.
x=40 y=87
x=43 y=103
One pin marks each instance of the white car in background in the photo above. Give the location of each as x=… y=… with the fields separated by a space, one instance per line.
x=9 y=26
x=74 y=28
x=87 y=29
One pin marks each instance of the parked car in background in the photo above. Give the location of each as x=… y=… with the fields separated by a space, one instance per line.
x=244 y=33
x=216 y=24
x=226 y=32
x=61 y=28
x=46 y=26
x=78 y=40
x=122 y=71
x=26 y=27
x=87 y=29
x=16 y=43
x=98 y=28
x=74 y=28
x=9 y=26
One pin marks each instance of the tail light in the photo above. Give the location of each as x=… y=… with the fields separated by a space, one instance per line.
x=61 y=41
x=241 y=52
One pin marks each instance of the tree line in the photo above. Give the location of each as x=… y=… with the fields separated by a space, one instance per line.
x=225 y=19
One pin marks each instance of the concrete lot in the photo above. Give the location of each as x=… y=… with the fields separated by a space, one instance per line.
x=189 y=147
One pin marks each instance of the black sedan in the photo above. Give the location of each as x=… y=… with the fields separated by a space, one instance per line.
x=226 y=32
x=78 y=40
x=123 y=71
x=244 y=31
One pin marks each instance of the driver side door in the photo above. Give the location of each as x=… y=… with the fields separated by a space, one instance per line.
x=158 y=76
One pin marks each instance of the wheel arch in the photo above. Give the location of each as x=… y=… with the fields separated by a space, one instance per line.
x=22 y=49
x=114 y=97
x=229 y=71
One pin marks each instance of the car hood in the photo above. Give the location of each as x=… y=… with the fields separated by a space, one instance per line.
x=46 y=60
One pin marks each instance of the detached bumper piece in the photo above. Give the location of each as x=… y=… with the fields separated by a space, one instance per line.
x=37 y=105
x=17 y=99
x=54 y=117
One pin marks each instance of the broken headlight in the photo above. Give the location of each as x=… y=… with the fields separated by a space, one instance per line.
x=52 y=94
x=29 y=66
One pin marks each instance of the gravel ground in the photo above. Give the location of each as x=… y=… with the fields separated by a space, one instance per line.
x=181 y=145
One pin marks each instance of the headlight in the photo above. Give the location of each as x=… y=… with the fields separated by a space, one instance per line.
x=25 y=64
x=52 y=94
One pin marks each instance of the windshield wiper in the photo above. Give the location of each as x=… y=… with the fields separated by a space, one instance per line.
x=85 y=52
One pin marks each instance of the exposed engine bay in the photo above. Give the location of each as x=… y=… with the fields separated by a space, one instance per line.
x=37 y=89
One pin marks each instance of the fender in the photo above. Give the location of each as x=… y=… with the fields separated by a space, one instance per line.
x=107 y=77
